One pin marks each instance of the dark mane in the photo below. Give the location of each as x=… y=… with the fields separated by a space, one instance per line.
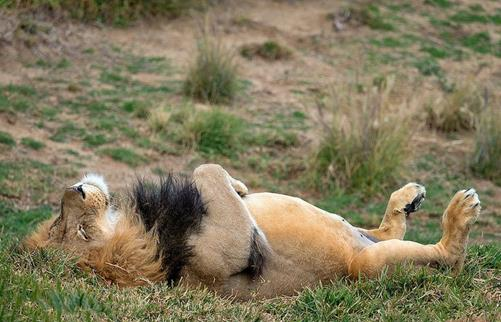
x=174 y=207
x=257 y=255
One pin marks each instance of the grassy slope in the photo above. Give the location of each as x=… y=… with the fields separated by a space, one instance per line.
x=101 y=109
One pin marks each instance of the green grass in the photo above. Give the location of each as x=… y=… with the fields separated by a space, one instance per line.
x=124 y=155
x=94 y=140
x=114 y=78
x=16 y=222
x=391 y=42
x=24 y=90
x=443 y=52
x=17 y=98
x=435 y=52
x=475 y=15
x=440 y=3
x=464 y=16
x=429 y=67
x=137 y=108
x=479 y=42
x=276 y=138
x=213 y=75
x=28 y=178
x=7 y=139
x=32 y=143
x=389 y=299
x=68 y=130
x=47 y=64
x=216 y=132
x=268 y=50
x=372 y=16
x=140 y=64
x=4 y=102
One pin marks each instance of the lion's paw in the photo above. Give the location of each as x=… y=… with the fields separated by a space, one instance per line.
x=239 y=187
x=464 y=207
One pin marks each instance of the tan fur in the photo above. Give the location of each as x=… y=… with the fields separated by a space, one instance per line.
x=303 y=245
x=40 y=237
x=127 y=257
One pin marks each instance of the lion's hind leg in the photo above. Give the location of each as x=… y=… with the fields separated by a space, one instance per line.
x=402 y=202
x=462 y=211
x=229 y=241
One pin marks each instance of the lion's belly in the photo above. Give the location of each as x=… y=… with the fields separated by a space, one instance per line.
x=317 y=241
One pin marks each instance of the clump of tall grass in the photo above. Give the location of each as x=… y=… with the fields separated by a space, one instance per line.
x=158 y=119
x=370 y=15
x=215 y=132
x=211 y=132
x=486 y=159
x=365 y=145
x=111 y=11
x=213 y=76
x=455 y=112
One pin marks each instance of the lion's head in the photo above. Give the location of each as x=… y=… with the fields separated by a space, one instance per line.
x=86 y=216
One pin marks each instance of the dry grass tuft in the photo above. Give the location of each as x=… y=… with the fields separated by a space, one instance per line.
x=213 y=76
x=366 y=143
x=486 y=160
x=158 y=119
x=455 y=112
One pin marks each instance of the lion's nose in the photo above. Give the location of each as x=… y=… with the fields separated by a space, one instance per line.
x=75 y=189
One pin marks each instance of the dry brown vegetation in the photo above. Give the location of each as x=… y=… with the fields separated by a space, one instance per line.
x=486 y=159
x=365 y=146
x=457 y=111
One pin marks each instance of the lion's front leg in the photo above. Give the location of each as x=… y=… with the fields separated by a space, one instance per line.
x=229 y=241
x=462 y=211
x=403 y=202
x=239 y=186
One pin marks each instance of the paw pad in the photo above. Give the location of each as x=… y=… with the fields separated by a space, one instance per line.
x=471 y=198
x=465 y=204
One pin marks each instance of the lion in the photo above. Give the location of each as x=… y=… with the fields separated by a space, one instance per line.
x=209 y=231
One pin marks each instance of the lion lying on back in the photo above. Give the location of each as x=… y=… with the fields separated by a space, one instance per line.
x=209 y=231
